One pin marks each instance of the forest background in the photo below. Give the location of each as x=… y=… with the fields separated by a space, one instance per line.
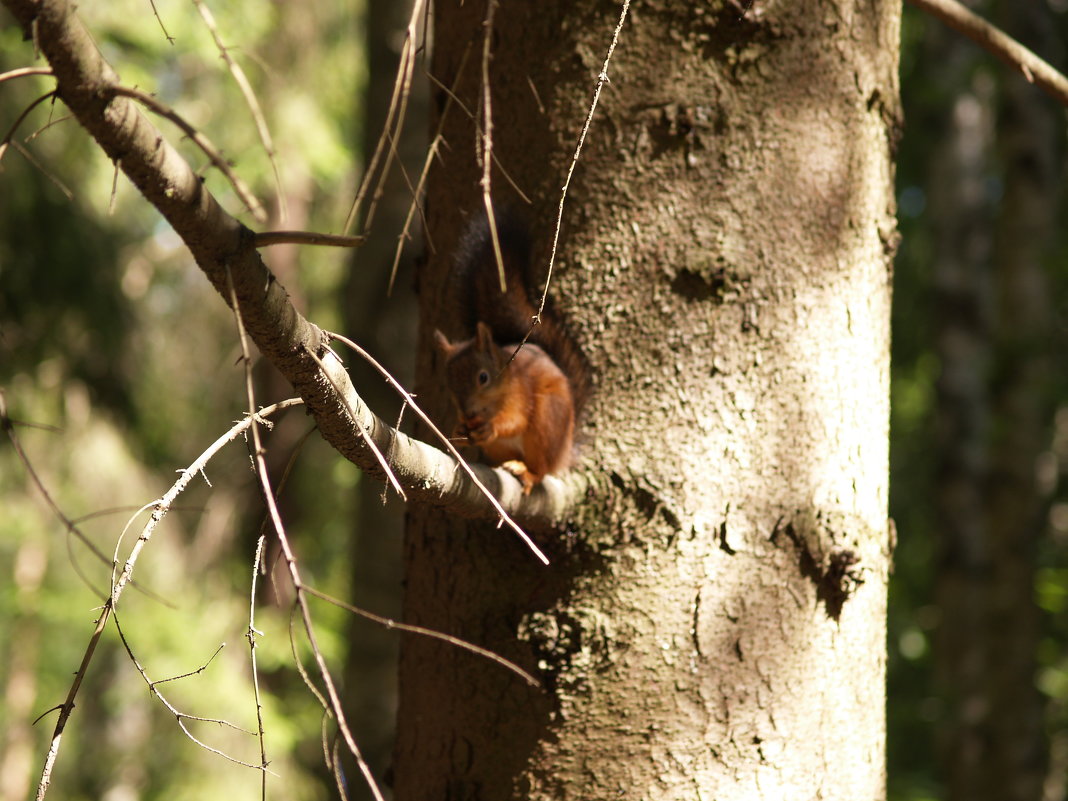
x=108 y=334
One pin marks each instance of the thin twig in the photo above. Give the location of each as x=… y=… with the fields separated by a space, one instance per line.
x=398 y=105
x=182 y=717
x=162 y=507
x=1034 y=69
x=425 y=632
x=366 y=436
x=485 y=154
x=200 y=140
x=250 y=100
x=26 y=154
x=602 y=79
x=282 y=482
x=47 y=125
x=71 y=527
x=290 y=557
x=430 y=155
x=263 y=239
x=18 y=120
x=22 y=72
x=252 y=633
x=170 y=39
x=471 y=116
x=40 y=426
x=114 y=188
x=445 y=441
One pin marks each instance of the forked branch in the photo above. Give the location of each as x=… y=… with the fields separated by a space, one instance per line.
x=222 y=246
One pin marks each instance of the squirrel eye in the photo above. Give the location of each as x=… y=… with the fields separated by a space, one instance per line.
x=483 y=378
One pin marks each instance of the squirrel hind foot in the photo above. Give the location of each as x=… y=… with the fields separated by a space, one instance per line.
x=520 y=470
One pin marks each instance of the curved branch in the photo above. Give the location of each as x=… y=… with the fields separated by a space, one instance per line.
x=88 y=86
x=987 y=36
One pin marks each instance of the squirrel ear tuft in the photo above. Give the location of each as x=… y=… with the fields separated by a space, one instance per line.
x=484 y=337
x=442 y=343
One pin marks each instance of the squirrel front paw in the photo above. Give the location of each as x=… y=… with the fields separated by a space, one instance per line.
x=479 y=432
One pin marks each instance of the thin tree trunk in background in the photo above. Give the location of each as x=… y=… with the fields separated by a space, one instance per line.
x=385 y=325
x=961 y=207
x=994 y=408
x=712 y=624
x=1030 y=127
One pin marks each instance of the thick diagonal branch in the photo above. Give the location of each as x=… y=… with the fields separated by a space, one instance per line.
x=217 y=241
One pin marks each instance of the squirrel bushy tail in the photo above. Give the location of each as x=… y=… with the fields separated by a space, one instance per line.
x=509 y=315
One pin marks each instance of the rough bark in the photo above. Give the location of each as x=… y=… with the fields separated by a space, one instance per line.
x=712 y=624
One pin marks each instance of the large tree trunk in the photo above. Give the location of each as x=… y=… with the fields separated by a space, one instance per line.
x=712 y=623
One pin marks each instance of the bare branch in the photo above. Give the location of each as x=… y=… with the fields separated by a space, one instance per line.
x=431 y=154
x=291 y=562
x=987 y=36
x=263 y=239
x=485 y=153
x=602 y=79
x=70 y=525
x=161 y=507
x=425 y=632
x=398 y=106
x=155 y=11
x=18 y=120
x=24 y=71
x=201 y=141
x=58 y=184
x=250 y=100
x=370 y=442
x=180 y=716
x=253 y=632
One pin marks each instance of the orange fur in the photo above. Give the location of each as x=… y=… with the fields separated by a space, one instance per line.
x=521 y=414
x=519 y=410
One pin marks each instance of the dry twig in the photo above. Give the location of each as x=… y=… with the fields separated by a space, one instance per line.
x=201 y=141
x=263 y=239
x=250 y=100
x=291 y=560
x=398 y=106
x=159 y=512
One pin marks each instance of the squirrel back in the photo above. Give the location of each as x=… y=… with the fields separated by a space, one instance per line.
x=475 y=286
x=518 y=406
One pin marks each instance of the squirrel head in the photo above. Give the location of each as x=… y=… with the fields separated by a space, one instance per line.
x=473 y=373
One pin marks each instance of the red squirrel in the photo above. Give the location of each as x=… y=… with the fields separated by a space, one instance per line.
x=520 y=407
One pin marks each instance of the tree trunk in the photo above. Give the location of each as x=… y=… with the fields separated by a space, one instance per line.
x=962 y=294
x=385 y=324
x=994 y=414
x=712 y=623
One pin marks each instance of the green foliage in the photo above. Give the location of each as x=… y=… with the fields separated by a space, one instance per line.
x=933 y=78
x=109 y=333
